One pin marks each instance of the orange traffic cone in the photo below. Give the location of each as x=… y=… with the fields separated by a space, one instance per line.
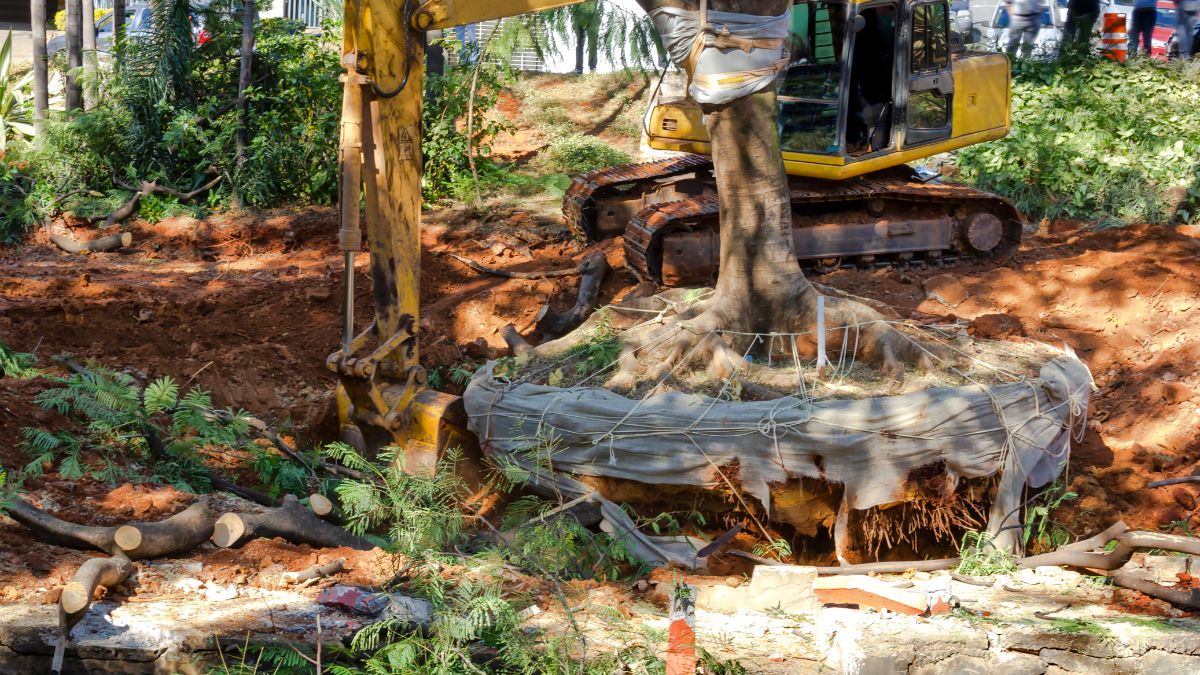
x=1114 y=40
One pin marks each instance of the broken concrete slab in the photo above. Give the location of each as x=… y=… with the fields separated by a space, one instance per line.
x=785 y=588
x=866 y=591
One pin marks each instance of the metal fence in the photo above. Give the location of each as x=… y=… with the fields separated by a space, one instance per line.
x=307 y=12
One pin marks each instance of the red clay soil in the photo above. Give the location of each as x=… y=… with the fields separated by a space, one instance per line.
x=246 y=305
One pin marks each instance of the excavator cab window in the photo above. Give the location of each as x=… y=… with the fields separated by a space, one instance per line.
x=872 y=81
x=931 y=84
x=810 y=91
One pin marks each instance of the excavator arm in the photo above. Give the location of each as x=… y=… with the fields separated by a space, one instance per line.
x=382 y=396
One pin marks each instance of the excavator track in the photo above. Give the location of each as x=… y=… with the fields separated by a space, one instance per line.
x=880 y=220
x=579 y=203
x=670 y=219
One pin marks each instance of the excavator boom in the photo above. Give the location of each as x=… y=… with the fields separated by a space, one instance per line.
x=382 y=397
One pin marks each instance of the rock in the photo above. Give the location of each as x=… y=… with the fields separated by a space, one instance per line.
x=788 y=588
x=946 y=289
x=1184 y=497
x=864 y=591
x=1169 y=391
x=996 y=327
x=318 y=294
x=1158 y=662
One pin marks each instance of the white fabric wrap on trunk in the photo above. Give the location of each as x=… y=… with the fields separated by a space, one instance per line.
x=1021 y=431
x=735 y=55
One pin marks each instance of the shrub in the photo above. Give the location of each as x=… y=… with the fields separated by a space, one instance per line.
x=578 y=153
x=1095 y=139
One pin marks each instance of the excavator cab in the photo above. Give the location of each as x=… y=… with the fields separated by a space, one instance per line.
x=870 y=85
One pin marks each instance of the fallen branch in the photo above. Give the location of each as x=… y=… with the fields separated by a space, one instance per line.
x=291 y=521
x=111 y=242
x=76 y=597
x=316 y=572
x=1189 y=598
x=1173 y=481
x=578 y=269
x=149 y=187
x=593 y=268
x=181 y=532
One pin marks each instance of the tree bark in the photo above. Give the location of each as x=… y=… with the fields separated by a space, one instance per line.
x=74 y=93
x=41 y=77
x=118 y=25
x=243 y=103
x=181 y=532
x=88 y=31
x=291 y=522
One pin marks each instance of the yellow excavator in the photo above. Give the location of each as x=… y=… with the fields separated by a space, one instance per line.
x=869 y=86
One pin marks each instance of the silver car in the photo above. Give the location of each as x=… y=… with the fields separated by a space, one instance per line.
x=138 y=19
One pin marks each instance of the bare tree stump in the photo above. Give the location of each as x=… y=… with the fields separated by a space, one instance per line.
x=291 y=522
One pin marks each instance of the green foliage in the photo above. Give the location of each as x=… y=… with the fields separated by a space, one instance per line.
x=1042 y=531
x=130 y=432
x=559 y=547
x=577 y=153
x=978 y=556
x=622 y=37
x=778 y=549
x=167 y=113
x=469 y=88
x=16 y=105
x=16 y=364
x=419 y=513
x=1099 y=140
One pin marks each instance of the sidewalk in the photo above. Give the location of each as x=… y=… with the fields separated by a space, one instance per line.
x=22 y=40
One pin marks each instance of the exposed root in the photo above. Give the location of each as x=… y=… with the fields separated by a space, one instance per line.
x=717 y=337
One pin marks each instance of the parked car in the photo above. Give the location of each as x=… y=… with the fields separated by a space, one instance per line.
x=994 y=32
x=138 y=18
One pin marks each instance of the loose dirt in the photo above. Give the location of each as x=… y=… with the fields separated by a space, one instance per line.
x=247 y=306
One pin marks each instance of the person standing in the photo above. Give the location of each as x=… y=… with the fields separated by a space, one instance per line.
x=586 y=21
x=1186 y=12
x=1141 y=31
x=1024 y=22
x=1081 y=20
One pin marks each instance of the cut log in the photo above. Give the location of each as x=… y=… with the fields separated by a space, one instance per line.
x=77 y=595
x=593 y=268
x=60 y=532
x=180 y=533
x=291 y=522
x=110 y=243
x=320 y=505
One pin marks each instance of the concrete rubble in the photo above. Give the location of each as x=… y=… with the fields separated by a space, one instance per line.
x=781 y=619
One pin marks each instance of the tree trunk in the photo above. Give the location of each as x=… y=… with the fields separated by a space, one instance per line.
x=88 y=30
x=118 y=25
x=760 y=281
x=243 y=104
x=41 y=78
x=74 y=54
